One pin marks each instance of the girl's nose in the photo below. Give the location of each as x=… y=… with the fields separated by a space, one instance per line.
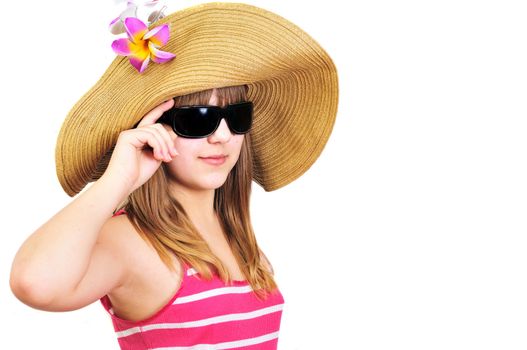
x=222 y=133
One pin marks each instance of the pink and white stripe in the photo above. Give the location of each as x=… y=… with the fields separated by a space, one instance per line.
x=205 y=315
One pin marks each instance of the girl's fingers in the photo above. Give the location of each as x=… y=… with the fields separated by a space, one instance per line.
x=163 y=147
x=169 y=140
x=152 y=116
x=153 y=141
x=149 y=137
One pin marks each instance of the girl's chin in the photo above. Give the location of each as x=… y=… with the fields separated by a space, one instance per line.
x=203 y=179
x=212 y=181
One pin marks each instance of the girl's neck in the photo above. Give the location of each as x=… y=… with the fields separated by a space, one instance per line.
x=199 y=205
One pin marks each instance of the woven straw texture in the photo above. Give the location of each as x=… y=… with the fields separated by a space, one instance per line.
x=292 y=83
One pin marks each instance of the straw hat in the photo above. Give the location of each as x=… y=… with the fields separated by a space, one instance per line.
x=292 y=83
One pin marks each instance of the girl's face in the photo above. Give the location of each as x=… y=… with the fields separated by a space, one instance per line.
x=191 y=168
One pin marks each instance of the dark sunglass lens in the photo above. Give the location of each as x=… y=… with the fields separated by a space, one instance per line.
x=241 y=116
x=195 y=122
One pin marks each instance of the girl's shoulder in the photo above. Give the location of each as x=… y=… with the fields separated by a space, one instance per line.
x=150 y=282
x=119 y=232
x=117 y=227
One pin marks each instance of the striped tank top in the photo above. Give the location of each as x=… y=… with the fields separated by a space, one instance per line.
x=205 y=314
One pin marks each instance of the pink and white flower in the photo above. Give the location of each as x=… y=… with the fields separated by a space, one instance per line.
x=143 y=45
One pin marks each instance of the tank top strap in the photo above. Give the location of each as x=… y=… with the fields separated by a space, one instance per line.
x=119 y=212
x=188 y=270
x=192 y=282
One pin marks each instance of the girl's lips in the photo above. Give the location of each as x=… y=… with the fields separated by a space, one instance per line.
x=214 y=160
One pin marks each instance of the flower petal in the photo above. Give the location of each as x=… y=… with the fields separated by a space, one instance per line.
x=130 y=11
x=122 y=47
x=139 y=64
x=150 y=3
x=156 y=15
x=114 y=20
x=117 y=25
x=135 y=29
x=159 y=56
x=158 y=35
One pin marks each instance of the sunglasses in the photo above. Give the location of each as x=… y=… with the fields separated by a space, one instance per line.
x=202 y=121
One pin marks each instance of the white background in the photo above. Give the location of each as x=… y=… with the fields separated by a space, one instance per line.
x=410 y=230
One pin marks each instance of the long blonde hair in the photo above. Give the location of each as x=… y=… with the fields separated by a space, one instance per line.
x=161 y=219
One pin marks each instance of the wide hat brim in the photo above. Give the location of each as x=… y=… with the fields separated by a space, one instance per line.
x=292 y=82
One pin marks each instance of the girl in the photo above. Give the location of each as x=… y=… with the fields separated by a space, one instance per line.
x=163 y=236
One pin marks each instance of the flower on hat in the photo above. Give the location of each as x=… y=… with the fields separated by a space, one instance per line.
x=154 y=9
x=143 y=45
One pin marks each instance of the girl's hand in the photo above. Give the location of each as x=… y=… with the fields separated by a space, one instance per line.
x=139 y=152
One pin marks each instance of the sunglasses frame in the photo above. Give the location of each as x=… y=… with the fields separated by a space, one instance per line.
x=169 y=116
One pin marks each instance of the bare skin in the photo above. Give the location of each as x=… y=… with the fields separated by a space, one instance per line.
x=83 y=253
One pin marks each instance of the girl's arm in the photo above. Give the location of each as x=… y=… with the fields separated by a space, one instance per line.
x=75 y=257
x=49 y=270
